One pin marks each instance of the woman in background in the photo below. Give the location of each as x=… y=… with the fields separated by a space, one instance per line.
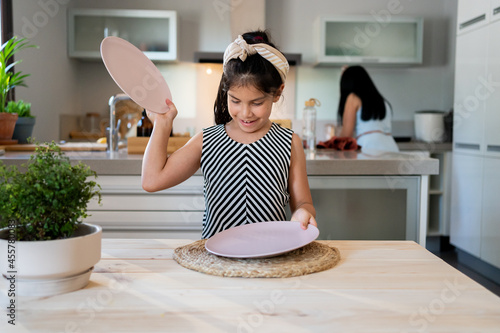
x=363 y=111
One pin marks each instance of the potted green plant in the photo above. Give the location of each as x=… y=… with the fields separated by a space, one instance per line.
x=25 y=121
x=41 y=212
x=8 y=81
x=7 y=126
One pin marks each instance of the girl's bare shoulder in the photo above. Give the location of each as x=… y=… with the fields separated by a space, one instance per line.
x=297 y=150
x=296 y=140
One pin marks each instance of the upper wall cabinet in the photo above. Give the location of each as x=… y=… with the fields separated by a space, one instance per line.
x=369 y=40
x=152 y=31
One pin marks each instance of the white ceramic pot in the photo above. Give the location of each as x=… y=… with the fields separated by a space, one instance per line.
x=429 y=126
x=52 y=267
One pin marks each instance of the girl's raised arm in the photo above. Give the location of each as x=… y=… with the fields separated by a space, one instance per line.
x=160 y=171
x=301 y=203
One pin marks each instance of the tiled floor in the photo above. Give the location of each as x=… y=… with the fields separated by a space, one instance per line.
x=450 y=256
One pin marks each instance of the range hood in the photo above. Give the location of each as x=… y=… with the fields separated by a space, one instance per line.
x=244 y=14
x=294 y=59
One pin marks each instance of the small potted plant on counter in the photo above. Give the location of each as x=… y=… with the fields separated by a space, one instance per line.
x=8 y=81
x=43 y=239
x=25 y=121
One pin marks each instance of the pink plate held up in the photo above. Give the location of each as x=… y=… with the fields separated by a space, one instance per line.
x=135 y=74
x=261 y=240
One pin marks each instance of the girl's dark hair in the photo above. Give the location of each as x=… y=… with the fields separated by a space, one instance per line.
x=356 y=80
x=255 y=71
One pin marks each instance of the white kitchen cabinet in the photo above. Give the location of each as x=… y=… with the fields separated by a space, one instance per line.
x=490 y=227
x=472 y=14
x=439 y=195
x=369 y=40
x=391 y=208
x=470 y=93
x=475 y=213
x=495 y=10
x=370 y=207
x=152 y=31
x=127 y=209
x=466 y=202
x=492 y=103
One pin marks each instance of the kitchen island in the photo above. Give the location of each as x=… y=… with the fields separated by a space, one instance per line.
x=378 y=286
x=358 y=195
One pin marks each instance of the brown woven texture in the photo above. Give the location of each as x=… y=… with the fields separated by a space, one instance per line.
x=312 y=258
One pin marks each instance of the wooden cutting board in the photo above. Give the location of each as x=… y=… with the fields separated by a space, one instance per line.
x=68 y=146
x=137 y=145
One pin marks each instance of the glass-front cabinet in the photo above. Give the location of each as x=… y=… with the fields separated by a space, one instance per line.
x=369 y=40
x=152 y=31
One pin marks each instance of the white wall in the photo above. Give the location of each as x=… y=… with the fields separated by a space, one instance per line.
x=53 y=84
x=60 y=85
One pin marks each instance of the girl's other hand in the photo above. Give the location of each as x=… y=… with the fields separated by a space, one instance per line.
x=304 y=217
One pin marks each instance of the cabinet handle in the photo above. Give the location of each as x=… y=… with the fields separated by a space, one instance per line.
x=472 y=21
x=496 y=10
x=494 y=148
x=471 y=146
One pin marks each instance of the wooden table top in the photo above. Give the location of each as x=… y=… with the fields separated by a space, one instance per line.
x=379 y=286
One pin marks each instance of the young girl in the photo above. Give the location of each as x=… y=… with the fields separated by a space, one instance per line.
x=252 y=167
x=363 y=111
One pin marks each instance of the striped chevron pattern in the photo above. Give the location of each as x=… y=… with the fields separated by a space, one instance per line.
x=244 y=183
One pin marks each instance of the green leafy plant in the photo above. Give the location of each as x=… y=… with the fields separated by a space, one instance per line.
x=8 y=79
x=49 y=200
x=20 y=107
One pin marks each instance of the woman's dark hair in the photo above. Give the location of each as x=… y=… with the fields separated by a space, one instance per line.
x=255 y=71
x=356 y=80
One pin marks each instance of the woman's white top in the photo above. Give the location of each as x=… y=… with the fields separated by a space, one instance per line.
x=375 y=134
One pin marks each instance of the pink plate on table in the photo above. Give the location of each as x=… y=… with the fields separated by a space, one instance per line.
x=260 y=240
x=135 y=74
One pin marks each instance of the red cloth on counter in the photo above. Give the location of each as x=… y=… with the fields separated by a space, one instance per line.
x=340 y=143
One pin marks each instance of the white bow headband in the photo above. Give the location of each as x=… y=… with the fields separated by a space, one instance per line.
x=241 y=49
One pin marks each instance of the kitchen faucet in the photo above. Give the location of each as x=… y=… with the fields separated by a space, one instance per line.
x=112 y=119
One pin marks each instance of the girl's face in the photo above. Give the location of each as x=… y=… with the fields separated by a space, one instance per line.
x=251 y=108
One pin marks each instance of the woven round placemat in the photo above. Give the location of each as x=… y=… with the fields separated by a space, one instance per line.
x=312 y=258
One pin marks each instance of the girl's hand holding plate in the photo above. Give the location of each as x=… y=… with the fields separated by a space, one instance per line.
x=166 y=118
x=304 y=217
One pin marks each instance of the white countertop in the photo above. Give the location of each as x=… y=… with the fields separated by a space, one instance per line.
x=324 y=162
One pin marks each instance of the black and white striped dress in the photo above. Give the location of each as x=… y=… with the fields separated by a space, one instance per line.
x=244 y=183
